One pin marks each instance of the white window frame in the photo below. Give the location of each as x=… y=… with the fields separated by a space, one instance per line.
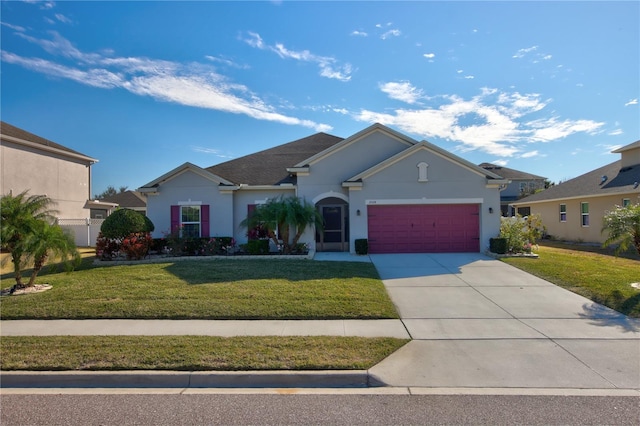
x=584 y=217
x=198 y=222
x=563 y=214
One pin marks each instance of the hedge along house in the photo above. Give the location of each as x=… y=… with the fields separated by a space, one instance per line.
x=378 y=184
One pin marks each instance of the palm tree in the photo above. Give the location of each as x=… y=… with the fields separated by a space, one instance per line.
x=623 y=225
x=20 y=216
x=280 y=214
x=51 y=240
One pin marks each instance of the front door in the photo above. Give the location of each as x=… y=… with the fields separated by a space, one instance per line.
x=335 y=236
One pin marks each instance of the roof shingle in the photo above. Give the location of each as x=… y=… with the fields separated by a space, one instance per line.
x=7 y=129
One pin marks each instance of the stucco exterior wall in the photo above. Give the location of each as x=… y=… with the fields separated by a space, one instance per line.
x=66 y=181
x=186 y=187
x=572 y=229
x=448 y=183
x=242 y=199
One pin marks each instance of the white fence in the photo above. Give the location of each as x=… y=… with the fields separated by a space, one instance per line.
x=85 y=231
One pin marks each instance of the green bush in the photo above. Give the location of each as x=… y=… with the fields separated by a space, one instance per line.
x=124 y=222
x=498 y=245
x=362 y=246
x=258 y=246
x=521 y=233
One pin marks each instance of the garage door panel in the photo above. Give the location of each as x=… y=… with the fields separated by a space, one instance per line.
x=423 y=228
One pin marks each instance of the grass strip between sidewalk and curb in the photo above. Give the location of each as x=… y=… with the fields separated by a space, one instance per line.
x=587 y=271
x=209 y=289
x=193 y=353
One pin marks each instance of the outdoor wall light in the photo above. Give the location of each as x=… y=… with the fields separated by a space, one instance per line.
x=491 y=210
x=358 y=212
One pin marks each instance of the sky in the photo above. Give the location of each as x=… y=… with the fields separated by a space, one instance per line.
x=548 y=88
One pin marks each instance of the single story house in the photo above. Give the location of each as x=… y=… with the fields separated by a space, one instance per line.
x=522 y=184
x=574 y=210
x=133 y=200
x=401 y=194
x=30 y=162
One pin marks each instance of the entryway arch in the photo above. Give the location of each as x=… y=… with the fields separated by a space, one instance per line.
x=335 y=235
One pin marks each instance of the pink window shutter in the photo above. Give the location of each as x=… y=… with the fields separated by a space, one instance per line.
x=204 y=221
x=175 y=218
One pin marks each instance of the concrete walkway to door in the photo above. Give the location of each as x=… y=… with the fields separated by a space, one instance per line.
x=478 y=322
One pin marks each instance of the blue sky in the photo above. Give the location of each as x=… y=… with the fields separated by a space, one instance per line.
x=548 y=88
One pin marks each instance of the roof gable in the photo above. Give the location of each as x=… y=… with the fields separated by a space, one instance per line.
x=424 y=145
x=377 y=127
x=127 y=199
x=269 y=167
x=186 y=167
x=15 y=134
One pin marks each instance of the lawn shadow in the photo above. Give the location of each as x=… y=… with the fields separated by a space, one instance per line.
x=603 y=316
x=227 y=271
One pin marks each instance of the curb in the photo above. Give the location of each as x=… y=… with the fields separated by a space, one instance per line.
x=188 y=379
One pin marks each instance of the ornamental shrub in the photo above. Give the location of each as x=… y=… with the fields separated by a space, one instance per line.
x=521 y=233
x=124 y=222
x=136 y=245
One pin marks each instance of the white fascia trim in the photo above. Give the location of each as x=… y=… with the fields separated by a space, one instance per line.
x=189 y=203
x=300 y=171
x=245 y=187
x=49 y=149
x=497 y=183
x=425 y=201
x=352 y=185
x=145 y=190
x=578 y=197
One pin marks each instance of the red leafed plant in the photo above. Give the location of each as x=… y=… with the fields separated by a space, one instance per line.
x=136 y=245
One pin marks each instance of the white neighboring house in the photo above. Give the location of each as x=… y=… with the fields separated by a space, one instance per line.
x=33 y=163
x=401 y=194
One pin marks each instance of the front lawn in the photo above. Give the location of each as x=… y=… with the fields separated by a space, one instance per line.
x=208 y=289
x=193 y=353
x=590 y=272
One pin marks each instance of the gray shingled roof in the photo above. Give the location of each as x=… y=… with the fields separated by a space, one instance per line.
x=130 y=199
x=7 y=129
x=508 y=173
x=589 y=184
x=269 y=167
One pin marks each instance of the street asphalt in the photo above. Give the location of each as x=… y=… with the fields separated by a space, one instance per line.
x=475 y=323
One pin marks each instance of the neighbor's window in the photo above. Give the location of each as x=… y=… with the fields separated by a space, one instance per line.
x=563 y=212
x=584 y=212
x=190 y=221
x=626 y=202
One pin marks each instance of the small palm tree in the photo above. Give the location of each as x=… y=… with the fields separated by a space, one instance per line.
x=280 y=215
x=20 y=216
x=623 y=225
x=49 y=240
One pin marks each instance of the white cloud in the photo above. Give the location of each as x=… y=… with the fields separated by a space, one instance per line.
x=469 y=77
x=502 y=163
x=359 y=33
x=490 y=122
x=226 y=61
x=429 y=55
x=402 y=91
x=390 y=33
x=329 y=66
x=530 y=154
x=60 y=17
x=195 y=85
x=521 y=53
x=632 y=102
x=616 y=132
x=13 y=27
x=212 y=151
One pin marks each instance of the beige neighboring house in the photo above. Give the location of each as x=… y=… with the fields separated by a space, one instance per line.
x=574 y=210
x=31 y=162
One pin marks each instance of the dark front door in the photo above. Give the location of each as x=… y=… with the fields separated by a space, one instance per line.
x=335 y=236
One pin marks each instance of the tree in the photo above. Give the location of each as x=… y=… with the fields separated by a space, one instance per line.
x=124 y=222
x=50 y=240
x=279 y=215
x=21 y=216
x=109 y=192
x=623 y=225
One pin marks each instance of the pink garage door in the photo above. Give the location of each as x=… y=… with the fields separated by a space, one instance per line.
x=432 y=228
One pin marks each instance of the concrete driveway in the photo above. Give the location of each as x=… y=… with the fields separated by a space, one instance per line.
x=478 y=322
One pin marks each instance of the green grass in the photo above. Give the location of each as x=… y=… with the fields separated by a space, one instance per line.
x=590 y=272
x=193 y=353
x=208 y=289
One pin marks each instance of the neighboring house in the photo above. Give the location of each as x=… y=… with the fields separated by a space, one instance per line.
x=133 y=200
x=574 y=210
x=33 y=163
x=400 y=194
x=522 y=184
